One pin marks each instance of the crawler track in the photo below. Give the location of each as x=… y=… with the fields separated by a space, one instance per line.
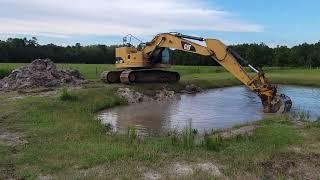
x=112 y=77
x=141 y=76
x=149 y=76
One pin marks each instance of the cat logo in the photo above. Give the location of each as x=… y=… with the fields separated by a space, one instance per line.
x=188 y=47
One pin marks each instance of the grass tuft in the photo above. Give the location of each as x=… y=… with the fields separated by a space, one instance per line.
x=67 y=96
x=317 y=123
x=188 y=135
x=184 y=139
x=300 y=115
x=314 y=124
x=132 y=135
x=108 y=127
x=5 y=72
x=212 y=143
x=174 y=137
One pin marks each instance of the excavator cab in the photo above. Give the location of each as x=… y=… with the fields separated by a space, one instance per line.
x=161 y=56
x=130 y=56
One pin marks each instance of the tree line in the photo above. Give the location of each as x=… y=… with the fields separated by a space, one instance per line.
x=22 y=50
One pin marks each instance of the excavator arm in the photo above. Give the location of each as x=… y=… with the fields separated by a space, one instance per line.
x=218 y=51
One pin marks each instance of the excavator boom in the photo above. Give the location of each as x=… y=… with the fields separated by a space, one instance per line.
x=144 y=57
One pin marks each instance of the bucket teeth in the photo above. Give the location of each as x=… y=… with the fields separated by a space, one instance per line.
x=279 y=104
x=287 y=102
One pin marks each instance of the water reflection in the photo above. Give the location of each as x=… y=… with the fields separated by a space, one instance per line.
x=217 y=108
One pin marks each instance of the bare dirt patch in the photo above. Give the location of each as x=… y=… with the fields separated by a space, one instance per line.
x=8 y=138
x=181 y=169
x=44 y=177
x=292 y=166
x=152 y=175
x=241 y=131
x=209 y=168
x=7 y=172
x=169 y=170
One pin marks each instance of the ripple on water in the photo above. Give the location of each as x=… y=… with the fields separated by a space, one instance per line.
x=212 y=109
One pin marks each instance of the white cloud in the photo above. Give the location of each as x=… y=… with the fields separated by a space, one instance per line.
x=114 y=17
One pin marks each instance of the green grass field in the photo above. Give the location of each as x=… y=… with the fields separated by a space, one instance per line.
x=65 y=141
x=205 y=76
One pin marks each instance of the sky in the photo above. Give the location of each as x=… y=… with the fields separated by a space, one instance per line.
x=63 y=22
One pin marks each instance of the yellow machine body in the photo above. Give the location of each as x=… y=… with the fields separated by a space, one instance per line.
x=130 y=57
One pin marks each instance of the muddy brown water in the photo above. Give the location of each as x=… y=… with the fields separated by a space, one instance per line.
x=212 y=109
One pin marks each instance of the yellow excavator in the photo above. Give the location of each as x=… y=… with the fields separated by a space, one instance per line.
x=146 y=63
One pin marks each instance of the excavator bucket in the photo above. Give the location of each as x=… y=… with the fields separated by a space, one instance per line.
x=280 y=103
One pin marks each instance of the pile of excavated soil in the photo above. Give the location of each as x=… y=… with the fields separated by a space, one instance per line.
x=132 y=96
x=192 y=89
x=40 y=73
x=164 y=95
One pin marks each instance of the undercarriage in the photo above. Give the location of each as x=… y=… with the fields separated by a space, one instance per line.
x=140 y=76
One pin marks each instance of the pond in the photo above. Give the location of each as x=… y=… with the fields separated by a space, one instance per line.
x=211 y=109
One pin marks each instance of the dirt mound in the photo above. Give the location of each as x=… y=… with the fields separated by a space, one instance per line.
x=132 y=96
x=192 y=89
x=40 y=73
x=163 y=95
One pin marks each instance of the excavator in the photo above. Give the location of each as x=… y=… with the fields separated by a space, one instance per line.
x=146 y=62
